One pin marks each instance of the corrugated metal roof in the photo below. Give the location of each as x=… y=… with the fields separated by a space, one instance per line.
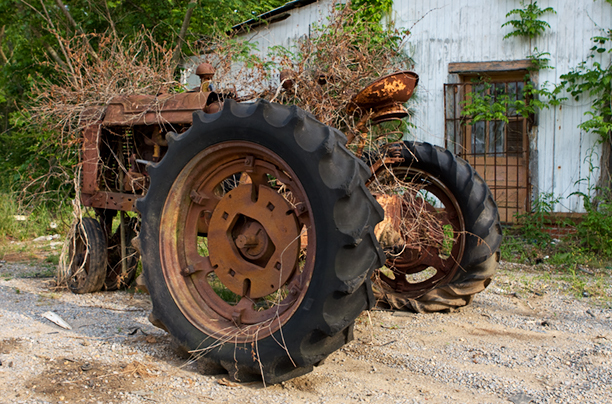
x=272 y=16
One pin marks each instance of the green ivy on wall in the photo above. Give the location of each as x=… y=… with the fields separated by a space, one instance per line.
x=528 y=23
x=592 y=78
x=372 y=10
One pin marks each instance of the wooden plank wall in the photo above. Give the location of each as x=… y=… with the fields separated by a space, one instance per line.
x=462 y=31
x=454 y=31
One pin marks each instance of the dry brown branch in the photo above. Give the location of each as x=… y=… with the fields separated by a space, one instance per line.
x=326 y=69
x=125 y=67
x=55 y=32
x=181 y=36
x=110 y=19
x=64 y=10
x=3 y=58
x=69 y=100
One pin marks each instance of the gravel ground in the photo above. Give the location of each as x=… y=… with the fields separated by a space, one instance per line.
x=526 y=339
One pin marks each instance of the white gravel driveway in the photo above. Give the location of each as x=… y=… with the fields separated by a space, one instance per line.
x=527 y=338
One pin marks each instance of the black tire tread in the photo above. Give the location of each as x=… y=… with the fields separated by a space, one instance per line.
x=324 y=320
x=91 y=233
x=483 y=232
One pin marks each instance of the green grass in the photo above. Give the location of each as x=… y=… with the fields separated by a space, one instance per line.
x=40 y=272
x=568 y=252
x=565 y=264
x=538 y=281
x=18 y=227
x=41 y=221
x=222 y=291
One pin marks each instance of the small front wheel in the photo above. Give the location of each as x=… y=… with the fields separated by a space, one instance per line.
x=87 y=252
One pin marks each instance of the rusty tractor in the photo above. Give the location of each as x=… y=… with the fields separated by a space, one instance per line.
x=262 y=236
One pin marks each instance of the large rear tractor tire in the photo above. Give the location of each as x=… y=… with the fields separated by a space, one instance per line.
x=87 y=252
x=257 y=240
x=445 y=250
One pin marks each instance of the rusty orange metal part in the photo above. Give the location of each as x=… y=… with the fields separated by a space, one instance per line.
x=386 y=93
x=233 y=224
x=414 y=249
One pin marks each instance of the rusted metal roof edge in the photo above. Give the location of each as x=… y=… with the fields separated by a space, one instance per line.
x=268 y=17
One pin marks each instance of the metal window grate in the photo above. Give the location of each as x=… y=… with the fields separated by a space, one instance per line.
x=498 y=150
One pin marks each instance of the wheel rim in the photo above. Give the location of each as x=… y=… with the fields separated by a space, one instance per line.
x=432 y=232
x=234 y=233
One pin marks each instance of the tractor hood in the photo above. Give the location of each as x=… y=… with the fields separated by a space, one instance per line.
x=165 y=108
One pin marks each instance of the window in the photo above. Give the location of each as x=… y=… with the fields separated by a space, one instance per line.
x=497 y=146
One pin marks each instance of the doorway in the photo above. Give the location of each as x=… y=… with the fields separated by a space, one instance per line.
x=497 y=148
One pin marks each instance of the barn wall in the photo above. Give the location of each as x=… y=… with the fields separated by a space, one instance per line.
x=448 y=31
x=283 y=33
x=286 y=32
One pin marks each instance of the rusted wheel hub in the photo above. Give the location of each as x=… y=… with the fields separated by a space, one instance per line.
x=430 y=229
x=250 y=241
x=233 y=236
x=253 y=241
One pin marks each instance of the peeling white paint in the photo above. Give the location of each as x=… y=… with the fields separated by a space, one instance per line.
x=448 y=31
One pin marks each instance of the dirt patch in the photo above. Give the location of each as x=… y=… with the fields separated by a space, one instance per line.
x=9 y=345
x=526 y=336
x=72 y=381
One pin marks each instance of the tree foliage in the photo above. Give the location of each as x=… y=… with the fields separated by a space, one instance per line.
x=372 y=11
x=60 y=42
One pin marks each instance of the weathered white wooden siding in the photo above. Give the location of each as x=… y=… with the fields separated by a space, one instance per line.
x=283 y=33
x=447 y=31
x=286 y=32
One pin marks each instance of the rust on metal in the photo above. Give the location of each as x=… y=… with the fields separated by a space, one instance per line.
x=389 y=228
x=256 y=241
x=135 y=181
x=150 y=110
x=286 y=78
x=389 y=113
x=388 y=90
x=415 y=251
x=205 y=71
x=251 y=239
x=110 y=200
x=382 y=100
x=134 y=129
x=90 y=158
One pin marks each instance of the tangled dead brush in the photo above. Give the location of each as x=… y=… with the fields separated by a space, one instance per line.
x=337 y=62
x=89 y=79
x=79 y=85
x=83 y=84
x=322 y=72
